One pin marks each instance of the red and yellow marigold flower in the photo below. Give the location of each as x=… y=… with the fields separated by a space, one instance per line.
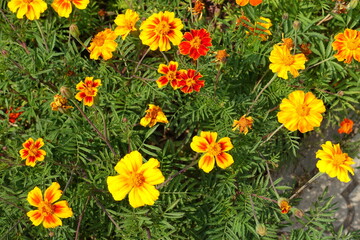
x=126 y=23
x=348 y=46
x=136 y=179
x=245 y=2
x=301 y=111
x=346 y=126
x=284 y=205
x=172 y=75
x=31 y=8
x=59 y=103
x=48 y=212
x=160 y=29
x=103 y=44
x=243 y=124
x=32 y=152
x=213 y=151
x=282 y=61
x=196 y=43
x=334 y=162
x=190 y=81
x=64 y=7
x=88 y=90
x=13 y=115
x=153 y=115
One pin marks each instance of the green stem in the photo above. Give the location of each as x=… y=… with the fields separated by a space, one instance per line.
x=325 y=60
x=306 y=184
x=42 y=35
x=165 y=57
x=272 y=134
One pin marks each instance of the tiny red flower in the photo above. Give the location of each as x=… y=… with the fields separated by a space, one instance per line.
x=191 y=81
x=196 y=44
x=346 y=126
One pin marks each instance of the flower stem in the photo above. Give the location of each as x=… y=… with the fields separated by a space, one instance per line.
x=165 y=57
x=142 y=58
x=325 y=60
x=306 y=184
x=253 y=210
x=272 y=134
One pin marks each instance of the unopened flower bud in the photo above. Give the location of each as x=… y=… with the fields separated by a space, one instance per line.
x=352 y=4
x=261 y=229
x=74 y=30
x=4 y=52
x=285 y=16
x=298 y=212
x=296 y=25
x=66 y=92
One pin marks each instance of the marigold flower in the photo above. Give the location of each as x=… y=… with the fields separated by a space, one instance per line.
x=137 y=179
x=172 y=75
x=301 y=111
x=334 y=162
x=221 y=56
x=64 y=7
x=13 y=116
x=214 y=151
x=243 y=124
x=103 y=44
x=197 y=9
x=48 y=212
x=32 y=152
x=283 y=61
x=32 y=9
x=348 y=46
x=160 y=29
x=284 y=205
x=59 y=103
x=288 y=42
x=245 y=2
x=190 y=81
x=196 y=44
x=88 y=90
x=153 y=115
x=346 y=126
x=126 y=23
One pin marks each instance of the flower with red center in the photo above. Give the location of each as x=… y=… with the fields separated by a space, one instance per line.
x=196 y=44
x=103 y=44
x=64 y=7
x=60 y=104
x=301 y=111
x=243 y=124
x=348 y=46
x=334 y=162
x=153 y=115
x=284 y=205
x=88 y=90
x=171 y=75
x=31 y=8
x=160 y=29
x=190 y=81
x=346 y=126
x=214 y=151
x=136 y=179
x=32 y=152
x=245 y=2
x=126 y=23
x=48 y=212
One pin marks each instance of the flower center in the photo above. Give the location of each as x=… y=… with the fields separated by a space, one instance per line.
x=303 y=110
x=99 y=40
x=171 y=75
x=339 y=159
x=353 y=45
x=33 y=150
x=196 y=42
x=163 y=28
x=137 y=179
x=288 y=60
x=46 y=208
x=190 y=81
x=214 y=149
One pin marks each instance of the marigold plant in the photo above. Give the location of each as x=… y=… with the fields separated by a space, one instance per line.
x=88 y=90
x=243 y=124
x=172 y=75
x=153 y=115
x=190 y=81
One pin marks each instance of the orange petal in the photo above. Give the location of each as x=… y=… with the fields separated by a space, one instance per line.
x=53 y=193
x=51 y=221
x=199 y=144
x=225 y=144
x=224 y=160
x=35 y=197
x=35 y=217
x=207 y=163
x=62 y=210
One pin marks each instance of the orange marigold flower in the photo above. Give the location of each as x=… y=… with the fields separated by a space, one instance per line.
x=64 y=7
x=32 y=152
x=348 y=46
x=199 y=6
x=126 y=23
x=32 y=9
x=288 y=42
x=243 y=124
x=301 y=111
x=334 y=162
x=153 y=115
x=172 y=75
x=13 y=116
x=221 y=56
x=214 y=151
x=103 y=44
x=282 y=61
x=160 y=29
x=191 y=81
x=59 y=103
x=88 y=90
x=245 y=2
x=346 y=126
x=48 y=212
x=284 y=205
x=136 y=179
x=196 y=44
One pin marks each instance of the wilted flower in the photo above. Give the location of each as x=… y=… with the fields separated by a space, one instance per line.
x=196 y=43
x=284 y=205
x=64 y=7
x=126 y=23
x=197 y=9
x=32 y=152
x=32 y=9
x=153 y=115
x=288 y=42
x=88 y=90
x=348 y=46
x=243 y=124
x=346 y=126
x=103 y=44
x=59 y=103
x=221 y=56
x=13 y=115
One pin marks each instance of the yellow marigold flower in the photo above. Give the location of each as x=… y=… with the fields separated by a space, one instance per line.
x=64 y=7
x=31 y=8
x=103 y=44
x=59 y=103
x=348 y=46
x=48 y=212
x=137 y=179
x=214 y=151
x=346 y=126
x=284 y=205
x=301 y=111
x=153 y=115
x=334 y=162
x=243 y=124
x=32 y=152
x=88 y=90
x=126 y=23
x=283 y=61
x=160 y=29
